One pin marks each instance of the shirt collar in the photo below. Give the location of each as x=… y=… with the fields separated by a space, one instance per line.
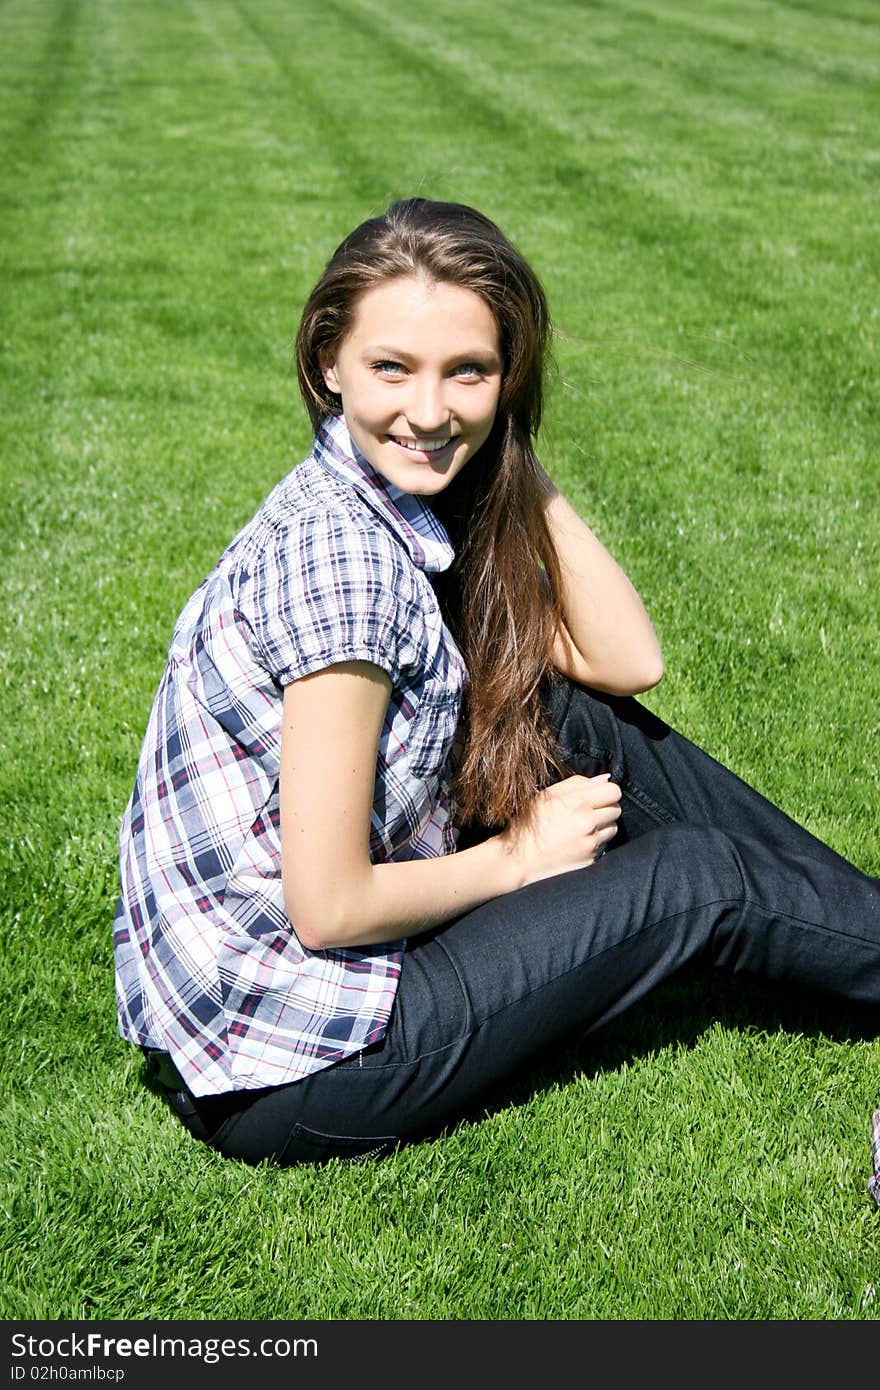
x=408 y=516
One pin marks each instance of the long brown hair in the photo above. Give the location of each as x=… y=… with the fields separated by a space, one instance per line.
x=500 y=598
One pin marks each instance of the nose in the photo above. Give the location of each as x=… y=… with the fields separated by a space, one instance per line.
x=426 y=409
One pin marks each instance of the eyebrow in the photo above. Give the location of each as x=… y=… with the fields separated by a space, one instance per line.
x=486 y=354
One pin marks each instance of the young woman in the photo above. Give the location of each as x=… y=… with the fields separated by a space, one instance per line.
x=363 y=870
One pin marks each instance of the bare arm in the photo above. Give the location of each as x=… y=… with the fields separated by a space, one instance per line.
x=607 y=640
x=334 y=895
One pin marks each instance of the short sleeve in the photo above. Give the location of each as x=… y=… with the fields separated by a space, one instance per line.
x=326 y=588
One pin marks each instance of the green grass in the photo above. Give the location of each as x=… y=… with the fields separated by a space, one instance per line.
x=697 y=184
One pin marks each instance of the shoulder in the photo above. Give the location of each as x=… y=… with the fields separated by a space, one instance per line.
x=321 y=582
x=335 y=546
x=312 y=529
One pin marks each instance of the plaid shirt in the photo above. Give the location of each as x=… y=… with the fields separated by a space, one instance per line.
x=333 y=567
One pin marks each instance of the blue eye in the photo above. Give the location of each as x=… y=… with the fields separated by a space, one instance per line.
x=470 y=370
x=388 y=368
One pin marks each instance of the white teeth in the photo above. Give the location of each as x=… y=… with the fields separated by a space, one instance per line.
x=422 y=446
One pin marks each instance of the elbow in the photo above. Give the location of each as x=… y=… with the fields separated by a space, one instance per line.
x=636 y=680
x=320 y=921
x=647 y=668
x=652 y=674
x=316 y=942
x=315 y=930
x=312 y=936
x=318 y=935
x=329 y=905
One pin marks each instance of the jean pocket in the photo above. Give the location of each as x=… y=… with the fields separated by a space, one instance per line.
x=312 y=1146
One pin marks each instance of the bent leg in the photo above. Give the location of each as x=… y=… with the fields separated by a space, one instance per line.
x=484 y=994
x=664 y=777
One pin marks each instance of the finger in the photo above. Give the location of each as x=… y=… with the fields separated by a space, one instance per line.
x=593 y=831
x=601 y=815
x=583 y=793
x=575 y=785
x=601 y=798
x=603 y=840
x=606 y=823
x=578 y=780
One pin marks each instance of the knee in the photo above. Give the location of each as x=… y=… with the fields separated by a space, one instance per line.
x=582 y=721
x=592 y=724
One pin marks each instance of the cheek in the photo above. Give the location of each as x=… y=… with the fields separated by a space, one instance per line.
x=368 y=404
x=488 y=409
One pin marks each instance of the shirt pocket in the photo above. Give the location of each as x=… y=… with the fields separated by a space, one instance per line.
x=433 y=728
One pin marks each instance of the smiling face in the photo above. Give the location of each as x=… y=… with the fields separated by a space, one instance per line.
x=419 y=373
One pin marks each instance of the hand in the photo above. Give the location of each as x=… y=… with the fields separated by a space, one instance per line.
x=567 y=826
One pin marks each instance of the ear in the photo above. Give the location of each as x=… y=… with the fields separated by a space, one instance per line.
x=327 y=362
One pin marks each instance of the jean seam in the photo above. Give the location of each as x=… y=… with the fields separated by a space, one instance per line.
x=630 y=788
x=743 y=902
x=461 y=985
x=634 y=936
x=647 y=803
x=469 y=1028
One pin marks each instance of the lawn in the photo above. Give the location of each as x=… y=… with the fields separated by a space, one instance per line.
x=697 y=185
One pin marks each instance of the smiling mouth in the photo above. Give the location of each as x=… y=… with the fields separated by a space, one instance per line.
x=424 y=446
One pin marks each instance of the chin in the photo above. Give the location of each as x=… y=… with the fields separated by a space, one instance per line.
x=420 y=479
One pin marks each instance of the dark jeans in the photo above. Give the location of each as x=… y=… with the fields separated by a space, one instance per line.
x=702 y=868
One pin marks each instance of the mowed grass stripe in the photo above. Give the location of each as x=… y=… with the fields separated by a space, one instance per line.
x=615 y=48
x=782 y=42
x=675 y=198
x=856 y=13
